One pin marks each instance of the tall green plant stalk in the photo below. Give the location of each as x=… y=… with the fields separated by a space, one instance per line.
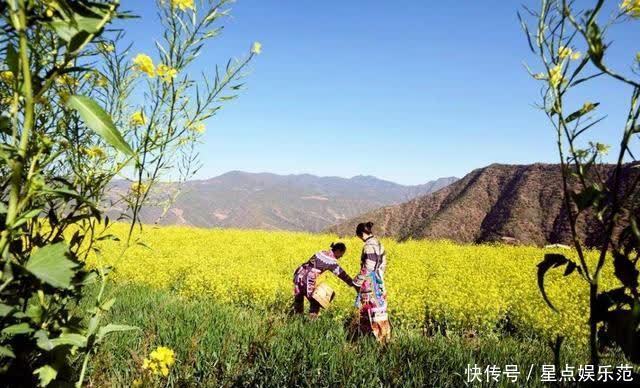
x=61 y=150
x=592 y=190
x=18 y=18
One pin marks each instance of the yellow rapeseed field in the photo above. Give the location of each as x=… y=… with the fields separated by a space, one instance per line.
x=466 y=287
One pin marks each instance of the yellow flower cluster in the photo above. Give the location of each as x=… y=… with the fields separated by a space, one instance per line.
x=166 y=73
x=198 y=128
x=256 y=48
x=95 y=152
x=556 y=76
x=106 y=47
x=465 y=287
x=97 y=78
x=182 y=4
x=137 y=119
x=139 y=189
x=631 y=8
x=6 y=76
x=101 y=81
x=159 y=361
x=143 y=63
x=67 y=80
x=567 y=52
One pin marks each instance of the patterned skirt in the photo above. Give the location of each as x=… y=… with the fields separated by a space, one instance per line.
x=372 y=305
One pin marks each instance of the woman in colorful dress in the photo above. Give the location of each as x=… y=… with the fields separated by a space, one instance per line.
x=372 y=295
x=305 y=276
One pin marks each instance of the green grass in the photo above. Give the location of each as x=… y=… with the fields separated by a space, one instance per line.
x=223 y=345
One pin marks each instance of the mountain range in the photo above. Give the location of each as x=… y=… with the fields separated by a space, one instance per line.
x=508 y=203
x=276 y=202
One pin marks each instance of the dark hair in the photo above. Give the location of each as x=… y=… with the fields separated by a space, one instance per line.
x=364 y=227
x=338 y=247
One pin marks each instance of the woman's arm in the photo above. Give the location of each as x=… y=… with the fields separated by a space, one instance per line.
x=343 y=275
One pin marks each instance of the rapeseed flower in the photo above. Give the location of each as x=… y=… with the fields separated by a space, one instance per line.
x=137 y=119
x=166 y=73
x=106 y=47
x=567 y=52
x=6 y=76
x=183 y=5
x=95 y=152
x=556 y=78
x=67 y=80
x=198 y=128
x=631 y=8
x=144 y=64
x=139 y=189
x=256 y=48
x=159 y=361
x=101 y=81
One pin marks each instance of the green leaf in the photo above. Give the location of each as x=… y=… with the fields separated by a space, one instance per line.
x=5 y=125
x=581 y=112
x=587 y=198
x=605 y=300
x=142 y=244
x=79 y=41
x=621 y=327
x=94 y=321
x=72 y=339
x=551 y=260
x=625 y=270
x=99 y=121
x=594 y=38
x=106 y=306
x=571 y=266
x=26 y=217
x=19 y=328
x=6 y=352
x=5 y=309
x=63 y=29
x=68 y=29
x=89 y=278
x=227 y=98
x=51 y=265
x=42 y=340
x=46 y=374
x=111 y=237
x=111 y=328
x=35 y=312
x=12 y=60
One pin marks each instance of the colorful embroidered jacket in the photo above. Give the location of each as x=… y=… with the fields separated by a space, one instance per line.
x=373 y=259
x=305 y=276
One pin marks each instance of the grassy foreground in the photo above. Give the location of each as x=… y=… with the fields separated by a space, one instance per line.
x=226 y=345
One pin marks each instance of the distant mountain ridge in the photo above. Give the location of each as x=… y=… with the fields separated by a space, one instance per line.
x=514 y=203
x=302 y=202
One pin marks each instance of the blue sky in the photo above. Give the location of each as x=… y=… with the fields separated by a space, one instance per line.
x=407 y=91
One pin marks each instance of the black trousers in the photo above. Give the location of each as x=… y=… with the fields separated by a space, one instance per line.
x=298 y=304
